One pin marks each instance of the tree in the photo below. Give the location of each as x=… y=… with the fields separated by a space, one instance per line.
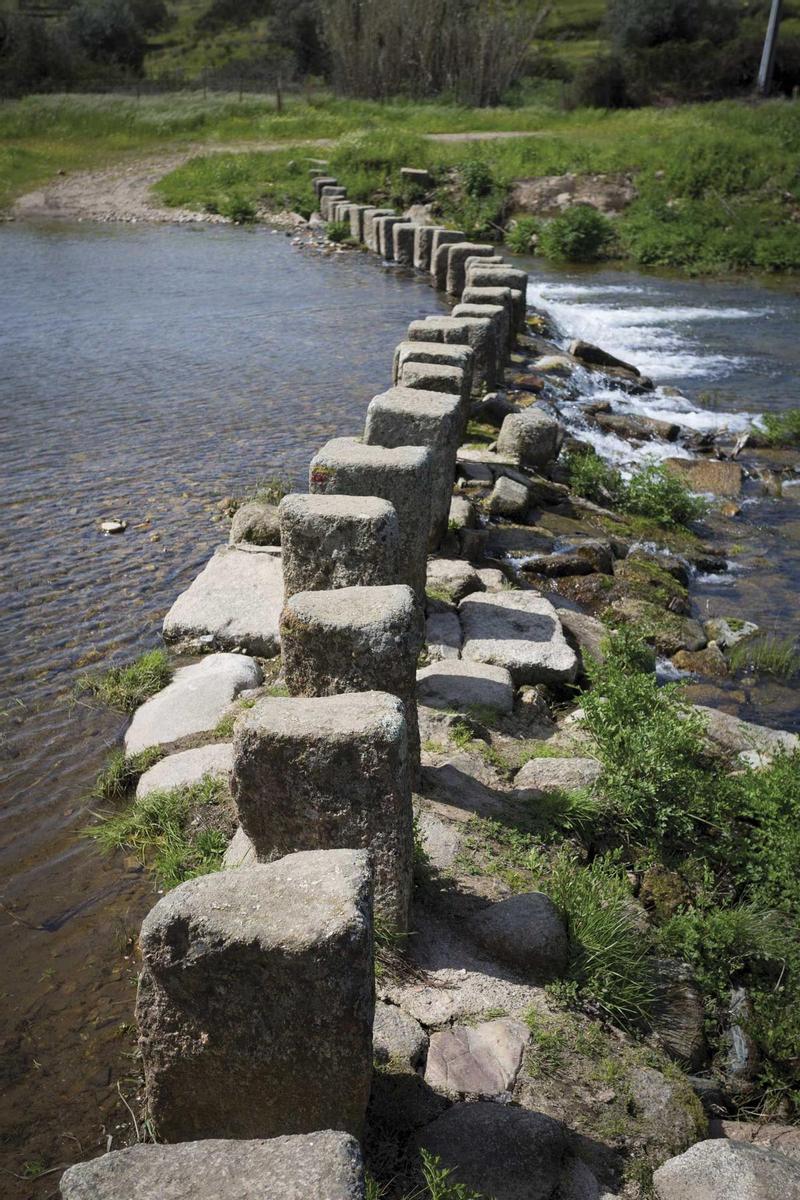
x=638 y=24
x=109 y=32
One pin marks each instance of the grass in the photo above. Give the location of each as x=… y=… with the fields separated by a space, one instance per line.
x=438 y=1183
x=121 y=774
x=781 y=429
x=652 y=492
x=716 y=182
x=175 y=833
x=125 y=688
x=770 y=655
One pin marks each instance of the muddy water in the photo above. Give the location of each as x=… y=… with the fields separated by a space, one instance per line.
x=719 y=353
x=144 y=374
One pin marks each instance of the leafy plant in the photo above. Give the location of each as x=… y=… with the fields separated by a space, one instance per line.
x=770 y=655
x=581 y=234
x=521 y=238
x=337 y=231
x=125 y=688
x=653 y=492
x=476 y=177
x=176 y=832
x=782 y=429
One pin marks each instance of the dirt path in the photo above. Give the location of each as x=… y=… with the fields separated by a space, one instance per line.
x=122 y=192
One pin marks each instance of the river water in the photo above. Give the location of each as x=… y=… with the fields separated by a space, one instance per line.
x=144 y=374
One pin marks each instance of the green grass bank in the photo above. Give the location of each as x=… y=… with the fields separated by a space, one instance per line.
x=718 y=188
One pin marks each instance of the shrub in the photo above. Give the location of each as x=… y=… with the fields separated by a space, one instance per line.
x=337 y=231
x=600 y=83
x=475 y=176
x=521 y=238
x=655 y=493
x=125 y=688
x=782 y=429
x=580 y=235
x=594 y=479
x=637 y=23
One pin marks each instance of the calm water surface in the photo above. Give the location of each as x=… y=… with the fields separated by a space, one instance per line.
x=144 y=374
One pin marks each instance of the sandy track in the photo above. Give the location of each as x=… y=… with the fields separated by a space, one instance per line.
x=122 y=192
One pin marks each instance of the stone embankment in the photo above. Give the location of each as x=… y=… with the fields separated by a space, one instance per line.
x=266 y=1055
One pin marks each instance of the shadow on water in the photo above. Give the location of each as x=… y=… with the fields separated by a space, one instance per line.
x=146 y=373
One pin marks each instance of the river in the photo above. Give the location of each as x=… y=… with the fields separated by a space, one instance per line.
x=146 y=373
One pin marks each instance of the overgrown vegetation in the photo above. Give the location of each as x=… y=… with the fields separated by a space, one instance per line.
x=178 y=833
x=770 y=655
x=125 y=688
x=651 y=492
x=439 y=1183
x=783 y=428
x=582 y=234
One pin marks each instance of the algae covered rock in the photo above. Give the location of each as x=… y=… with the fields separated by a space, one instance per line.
x=256 y=522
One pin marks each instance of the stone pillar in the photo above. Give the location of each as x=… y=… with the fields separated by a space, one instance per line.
x=255 y=1000
x=435 y=352
x=479 y=333
x=423 y=244
x=383 y=236
x=337 y=541
x=326 y=1165
x=433 y=377
x=490 y=274
x=441 y=239
x=348 y=467
x=403 y=243
x=322 y=181
x=495 y=296
x=355 y=640
x=330 y=773
x=456 y=257
x=357 y=221
x=498 y=316
x=408 y=417
x=370 y=217
x=326 y=196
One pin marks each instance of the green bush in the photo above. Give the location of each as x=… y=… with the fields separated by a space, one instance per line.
x=650 y=492
x=521 y=238
x=475 y=176
x=782 y=429
x=582 y=234
x=337 y=231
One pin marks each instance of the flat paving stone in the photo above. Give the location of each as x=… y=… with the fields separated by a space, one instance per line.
x=324 y=1165
x=519 y=631
x=186 y=768
x=235 y=602
x=194 y=703
x=479 y=1060
x=459 y=684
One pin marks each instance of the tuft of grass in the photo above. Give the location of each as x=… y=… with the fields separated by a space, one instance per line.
x=120 y=773
x=125 y=688
x=770 y=655
x=173 y=831
x=782 y=429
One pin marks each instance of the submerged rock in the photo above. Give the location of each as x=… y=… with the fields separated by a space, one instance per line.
x=707 y=475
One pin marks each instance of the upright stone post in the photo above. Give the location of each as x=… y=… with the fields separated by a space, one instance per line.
x=255 y=1000
x=498 y=316
x=326 y=196
x=494 y=296
x=322 y=181
x=370 y=217
x=490 y=274
x=456 y=259
x=357 y=221
x=330 y=773
x=403 y=243
x=348 y=467
x=408 y=417
x=442 y=240
x=436 y=377
x=479 y=333
x=337 y=541
x=448 y=355
x=423 y=244
x=355 y=640
x=383 y=236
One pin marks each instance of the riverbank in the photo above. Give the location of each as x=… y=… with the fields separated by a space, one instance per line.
x=704 y=188
x=663 y=1006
